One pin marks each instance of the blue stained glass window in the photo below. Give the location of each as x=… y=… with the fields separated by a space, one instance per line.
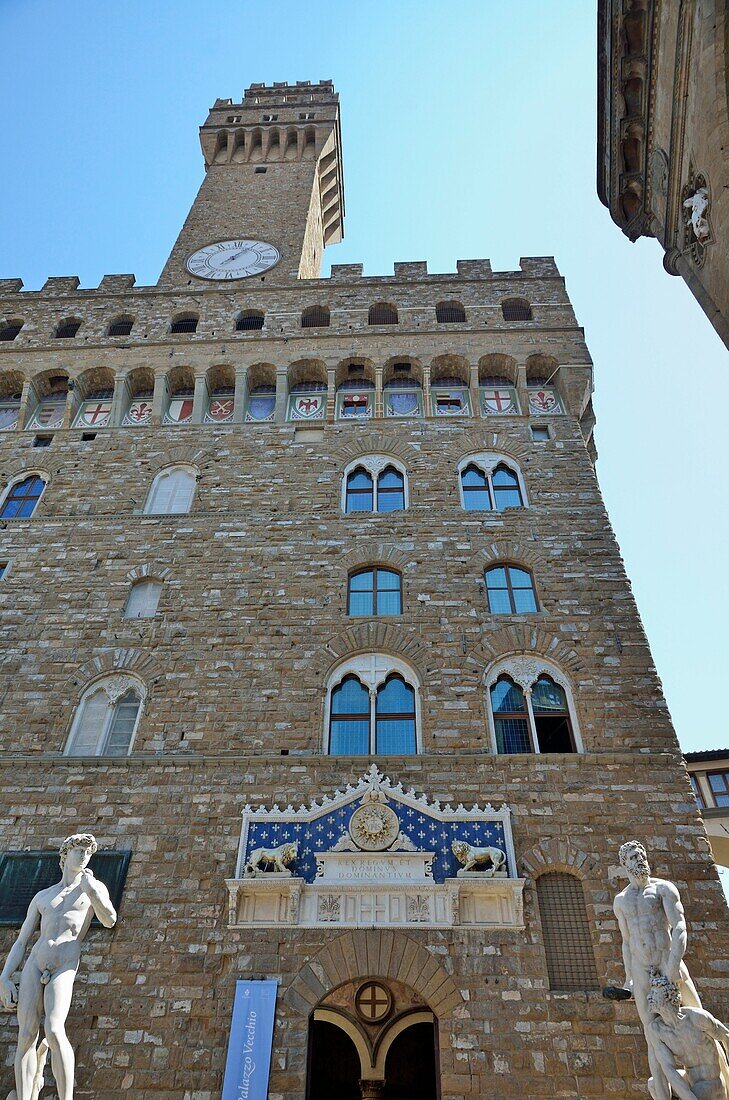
x=21 y=500
x=511 y=721
x=390 y=490
x=349 y=724
x=395 y=717
x=506 y=488
x=360 y=491
x=476 y=492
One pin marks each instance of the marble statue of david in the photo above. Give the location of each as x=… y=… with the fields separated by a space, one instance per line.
x=64 y=913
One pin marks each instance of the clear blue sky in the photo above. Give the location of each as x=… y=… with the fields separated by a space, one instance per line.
x=469 y=131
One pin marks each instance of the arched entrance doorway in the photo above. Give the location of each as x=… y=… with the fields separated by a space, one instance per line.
x=373 y=1040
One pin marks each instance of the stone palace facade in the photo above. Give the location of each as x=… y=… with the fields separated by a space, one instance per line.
x=313 y=615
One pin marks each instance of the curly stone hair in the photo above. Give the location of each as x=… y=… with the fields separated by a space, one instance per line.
x=76 y=840
x=662 y=988
x=628 y=847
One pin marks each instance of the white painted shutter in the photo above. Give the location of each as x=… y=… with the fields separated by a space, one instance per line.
x=143 y=600
x=90 y=724
x=171 y=493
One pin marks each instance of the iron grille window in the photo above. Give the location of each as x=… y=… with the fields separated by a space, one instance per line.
x=315 y=317
x=185 y=323
x=10 y=330
x=516 y=309
x=450 y=313
x=251 y=320
x=382 y=314
x=566 y=933
x=23 y=874
x=121 y=327
x=67 y=329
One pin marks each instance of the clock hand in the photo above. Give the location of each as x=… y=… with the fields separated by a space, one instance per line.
x=231 y=258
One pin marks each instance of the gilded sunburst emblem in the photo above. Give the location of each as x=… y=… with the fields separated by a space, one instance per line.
x=374 y=827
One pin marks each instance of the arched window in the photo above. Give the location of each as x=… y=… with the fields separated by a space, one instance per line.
x=106 y=719
x=315 y=317
x=530 y=710
x=121 y=326
x=382 y=313
x=22 y=497
x=510 y=590
x=171 y=492
x=450 y=313
x=488 y=483
x=249 y=320
x=374 y=592
x=395 y=717
x=66 y=330
x=374 y=485
x=566 y=933
x=10 y=329
x=516 y=309
x=143 y=599
x=184 y=322
x=373 y=708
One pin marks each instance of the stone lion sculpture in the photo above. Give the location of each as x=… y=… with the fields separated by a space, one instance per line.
x=472 y=857
x=280 y=857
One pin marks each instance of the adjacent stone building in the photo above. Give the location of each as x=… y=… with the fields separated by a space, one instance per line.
x=709 y=774
x=313 y=615
x=663 y=135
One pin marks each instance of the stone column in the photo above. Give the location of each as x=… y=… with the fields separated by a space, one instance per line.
x=331 y=393
x=158 y=399
x=379 y=408
x=521 y=389
x=72 y=404
x=241 y=390
x=26 y=404
x=474 y=391
x=372 y=1090
x=118 y=401
x=427 y=406
x=282 y=394
x=200 y=399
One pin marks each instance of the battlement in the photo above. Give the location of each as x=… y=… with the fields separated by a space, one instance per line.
x=280 y=92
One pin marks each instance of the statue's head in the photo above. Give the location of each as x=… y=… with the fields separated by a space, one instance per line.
x=79 y=848
x=663 y=993
x=634 y=859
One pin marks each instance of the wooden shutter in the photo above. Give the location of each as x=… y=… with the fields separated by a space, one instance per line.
x=566 y=933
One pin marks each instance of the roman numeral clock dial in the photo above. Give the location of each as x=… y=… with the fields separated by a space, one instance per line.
x=237 y=259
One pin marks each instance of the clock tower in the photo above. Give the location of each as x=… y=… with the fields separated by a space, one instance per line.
x=272 y=196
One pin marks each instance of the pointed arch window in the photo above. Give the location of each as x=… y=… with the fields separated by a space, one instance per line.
x=532 y=714
x=106 y=719
x=373 y=708
x=171 y=492
x=374 y=485
x=22 y=498
x=510 y=590
x=374 y=592
x=489 y=483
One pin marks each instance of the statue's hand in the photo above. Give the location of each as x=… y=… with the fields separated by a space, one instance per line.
x=87 y=881
x=8 y=995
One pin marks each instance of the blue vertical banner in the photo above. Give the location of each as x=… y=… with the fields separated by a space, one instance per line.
x=248 y=1065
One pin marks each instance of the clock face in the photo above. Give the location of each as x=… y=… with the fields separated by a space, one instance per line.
x=235 y=259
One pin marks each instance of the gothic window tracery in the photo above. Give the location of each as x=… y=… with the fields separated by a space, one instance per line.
x=375 y=483
x=22 y=496
x=531 y=708
x=106 y=718
x=490 y=482
x=373 y=708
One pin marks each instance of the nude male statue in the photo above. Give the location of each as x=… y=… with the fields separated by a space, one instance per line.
x=653 y=927
x=64 y=912
x=687 y=1037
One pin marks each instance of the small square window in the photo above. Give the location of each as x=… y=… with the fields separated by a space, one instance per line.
x=42 y=440
x=88 y=437
x=4 y=566
x=540 y=433
x=270 y=118
x=261 y=171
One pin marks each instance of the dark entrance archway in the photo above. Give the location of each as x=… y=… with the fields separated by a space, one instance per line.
x=334 y=1064
x=410 y=1068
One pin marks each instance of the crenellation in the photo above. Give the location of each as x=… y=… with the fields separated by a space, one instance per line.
x=60 y=285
